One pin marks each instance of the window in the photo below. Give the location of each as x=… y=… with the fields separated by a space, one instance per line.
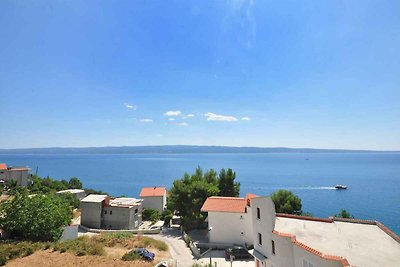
x=258 y=213
x=273 y=246
x=259 y=239
x=105 y=212
x=136 y=211
x=110 y=212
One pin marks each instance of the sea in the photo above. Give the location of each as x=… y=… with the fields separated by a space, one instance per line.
x=373 y=179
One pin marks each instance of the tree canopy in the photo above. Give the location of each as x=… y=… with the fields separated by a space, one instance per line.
x=286 y=202
x=37 y=218
x=189 y=193
x=74 y=183
x=344 y=214
x=226 y=183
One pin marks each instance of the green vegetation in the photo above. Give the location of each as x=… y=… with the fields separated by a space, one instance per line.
x=286 y=202
x=188 y=194
x=151 y=215
x=70 y=199
x=166 y=216
x=226 y=184
x=131 y=256
x=81 y=246
x=74 y=183
x=12 y=250
x=37 y=218
x=126 y=239
x=48 y=185
x=344 y=214
x=89 y=191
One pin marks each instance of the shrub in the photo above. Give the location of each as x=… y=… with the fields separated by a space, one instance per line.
x=13 y=250
x=131 y=256
x=86 y=245
x=344 y=214
x=151 y=215
x=150 y=242
x=80 y=253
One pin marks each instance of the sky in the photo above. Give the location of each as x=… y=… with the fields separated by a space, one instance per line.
x=318 y=74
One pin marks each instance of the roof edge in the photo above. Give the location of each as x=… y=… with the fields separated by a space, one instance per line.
x=346 y=220
x=299 y=217
x=343 y=261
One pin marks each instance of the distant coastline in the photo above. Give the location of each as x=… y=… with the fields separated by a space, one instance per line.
x=166 y=149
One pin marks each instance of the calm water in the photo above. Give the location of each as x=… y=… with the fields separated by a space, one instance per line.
x=373 y=179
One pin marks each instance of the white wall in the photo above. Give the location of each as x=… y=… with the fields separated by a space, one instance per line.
x=157 y=203
x=287 y=254
x=227 y=227
x=301 y=254
x=265 y=225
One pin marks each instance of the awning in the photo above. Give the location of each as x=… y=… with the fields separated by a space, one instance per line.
x=257 y=254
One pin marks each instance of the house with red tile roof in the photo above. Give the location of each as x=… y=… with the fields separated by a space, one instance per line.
x=289 y=240
x=229 y=219
x=154 y=198
x=19 y=174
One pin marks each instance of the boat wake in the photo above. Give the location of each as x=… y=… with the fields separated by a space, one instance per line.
x=311 y=188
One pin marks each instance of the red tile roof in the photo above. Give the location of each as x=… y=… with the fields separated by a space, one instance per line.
x=225 y=204
x=153 y=191
x=3 y=166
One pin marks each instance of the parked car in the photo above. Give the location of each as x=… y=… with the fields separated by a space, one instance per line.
x=145 y=254
x=237 y=252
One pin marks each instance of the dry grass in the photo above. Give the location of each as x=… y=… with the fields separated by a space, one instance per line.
x=49 y=259
x=129 y=240
x=106 y=249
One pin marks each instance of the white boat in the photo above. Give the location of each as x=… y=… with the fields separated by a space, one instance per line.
x=339 y=186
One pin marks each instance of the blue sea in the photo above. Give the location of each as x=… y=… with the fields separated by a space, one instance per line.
x=373 y=179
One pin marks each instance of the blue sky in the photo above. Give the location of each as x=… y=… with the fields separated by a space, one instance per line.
x=322 y=74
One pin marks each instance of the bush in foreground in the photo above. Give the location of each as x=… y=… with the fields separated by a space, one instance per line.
x=37 y=218
x=13 y=250
x=131 y=256
x=81 y=246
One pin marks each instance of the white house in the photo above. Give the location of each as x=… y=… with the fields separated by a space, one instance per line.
x=154 y=198
x=282 y=240
x=19 y=174
x=229 y=220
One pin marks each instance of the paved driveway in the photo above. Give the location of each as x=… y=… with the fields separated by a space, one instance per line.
x=183 y=255
x=218 y=257
x=178 y=249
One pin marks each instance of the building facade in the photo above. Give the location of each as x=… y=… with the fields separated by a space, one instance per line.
x=102 y=212
x=229 y=220
x=154 y=198
x=19 y=174
x=282 y=240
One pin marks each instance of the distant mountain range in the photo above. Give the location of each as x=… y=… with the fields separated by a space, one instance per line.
x=175 y=149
